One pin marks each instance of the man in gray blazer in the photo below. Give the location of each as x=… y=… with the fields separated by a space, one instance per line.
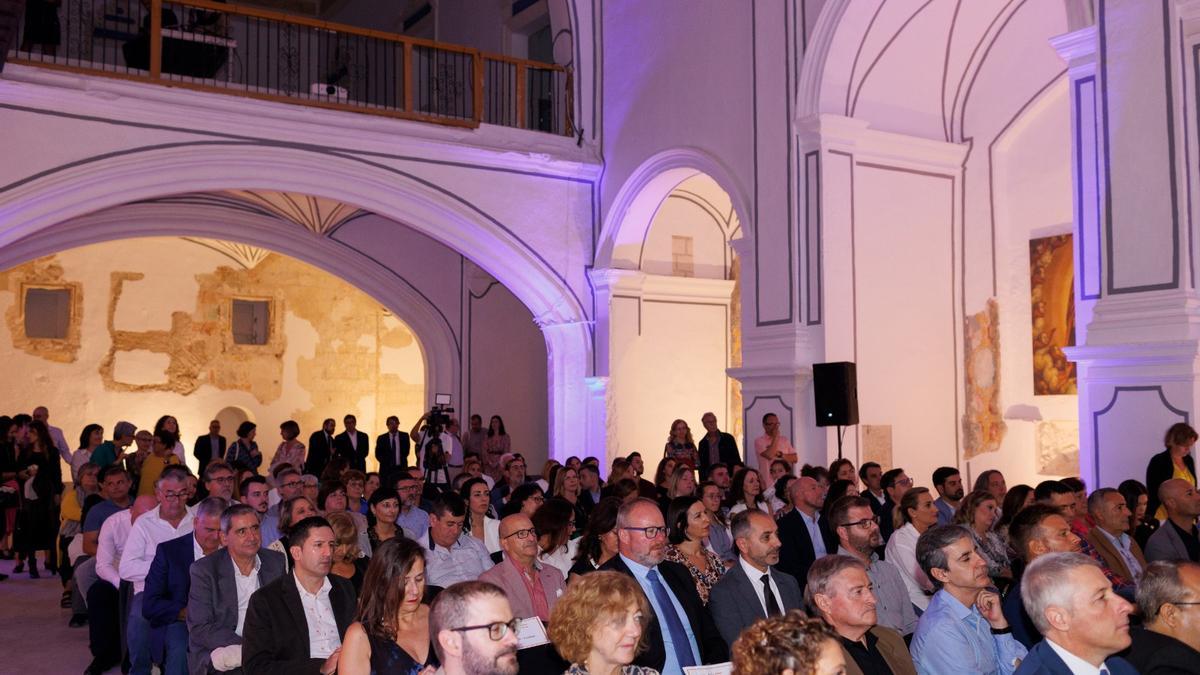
x=222 y=583
x=752 y=590
x=1177 y=538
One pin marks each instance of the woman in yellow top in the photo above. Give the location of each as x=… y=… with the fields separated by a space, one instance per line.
x=1174 y=462
x=162 y=454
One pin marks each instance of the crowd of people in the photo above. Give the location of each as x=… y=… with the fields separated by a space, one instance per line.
x=454 y=558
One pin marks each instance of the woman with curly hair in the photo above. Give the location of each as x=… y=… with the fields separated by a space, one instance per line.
x=599 y=624
x=788 y=644
x=680 y=446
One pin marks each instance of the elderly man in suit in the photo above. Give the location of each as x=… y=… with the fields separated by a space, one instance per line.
x=532 y=588
x=803 y=533
x=1170 y=640
x=751 y=590
x=681 y=633
x=295 y=624
x=1117 y=550
x=1085 y=623
x=1177 y=539
x=222 y=584
x=165 y=599
x=839 y=590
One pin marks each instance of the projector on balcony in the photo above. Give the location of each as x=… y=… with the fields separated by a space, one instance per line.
x=329 y=91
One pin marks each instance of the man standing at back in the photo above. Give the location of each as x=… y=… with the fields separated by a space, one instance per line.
x=42 y=414
x=352 y=444
x=716 y=446
x=320 y=448
x=209 y=446
x=391 y=449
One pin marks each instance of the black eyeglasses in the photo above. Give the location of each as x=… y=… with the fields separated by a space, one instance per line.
x=496 y=630
x=650 y=532
x=865 y=523
x=521 y=534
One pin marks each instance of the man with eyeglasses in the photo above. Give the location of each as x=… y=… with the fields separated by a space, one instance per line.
x=857 y=529
x=169 y=520
x=412 y=518
x=681 y=633
x=513 y=478
x=532 y=588
x=474 y=631
x=1168 y=598
x=218 y=480
x=756 y=540
x=289 y=484
x=451 y=555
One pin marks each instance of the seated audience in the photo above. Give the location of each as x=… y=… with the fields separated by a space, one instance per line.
x=412 y=517
x=598 y=544
x=292 y=511
x=311 y=485
x=719 y=539
x=1177 y=539
x=512 y=477
x=1057 y=494
x=451 y=555
x=480 y=523
x=162 y=455
x=348 y=561
x=1117 y=550
x=474 y=631
x=839 y=591
x=591 y=488
x=732 y=601
x=295 y=623
x=1016 y=499
x=778 y=469
x=527 y=499
x=356 y=485
x=221 y=586
x=803 y=534
x=1036 y=531
x=681 y=631
x=840 y=488
x=390 y=634
x=219 y=480
x=688 y=523
x=895 y=484
x=963 y=629
x=915 y=514
x=747 y=492
x=948 y=483
x=857 y=530
x=681 y=483
x=790 y=643
x=566 y=487
x=288 y=484
x=1169 y=640
x=532 y=587
x=1080 y=524
x=106 y=628
x=255 y=493
x=385 y=507
x=1140 y=527
x=555 y=523
x=1083 y=620
x=992 y=481
x=979 y=511
x=600 y=624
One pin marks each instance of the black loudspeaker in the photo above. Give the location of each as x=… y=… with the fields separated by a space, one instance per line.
x=835 y=388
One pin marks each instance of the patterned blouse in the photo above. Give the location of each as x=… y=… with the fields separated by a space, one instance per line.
x=579 y=669
x=705 y=579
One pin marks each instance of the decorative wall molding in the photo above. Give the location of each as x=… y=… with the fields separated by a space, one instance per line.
x=871 y=146
x=1078 y=47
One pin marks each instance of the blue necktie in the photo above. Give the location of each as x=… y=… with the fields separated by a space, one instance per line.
x=679 y=638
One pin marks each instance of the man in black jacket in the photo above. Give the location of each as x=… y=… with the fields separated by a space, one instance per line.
x=208 y=446
x=352 y=444
x=295 y=624
x=802 y=541
x=391 y=449
x=1170 y=640
x=681 y=632
x=320 y=449
x=716 y=446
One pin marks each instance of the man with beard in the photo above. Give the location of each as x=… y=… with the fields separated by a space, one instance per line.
x=839 y=591
x=295 y=624
x=1037 y=530
x=858 y=534
x=681 y=633
x=255 y=494
x=948 y=483
x=474 y=631
x=803 y=532
x=756 y=539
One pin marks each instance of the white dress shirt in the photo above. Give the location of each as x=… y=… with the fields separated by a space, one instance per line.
x=902 y=552
x=246 y=585
x=1076 y=665
x=147 y=533
x=113 y=534
x=323 y=636
x=563 y=559
x=756 y=583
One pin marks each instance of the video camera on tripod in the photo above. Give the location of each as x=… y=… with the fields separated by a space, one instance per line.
x=436 y=421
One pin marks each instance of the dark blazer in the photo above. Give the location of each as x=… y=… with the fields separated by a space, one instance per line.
x=884 y=511
x=1165 y=544
x=275 y=636
x=319 y=452
x=1158 y=471
x=202 y=450
x=213 y=604
x=385 y=456
x=734 y=604
x=679 y=580
x=1041 y=660
x=1157 y=654
x=797 y=553
x=891 y=647
x=1023 y=630
x=166 y=591
x=727 y=453
x=356 y=458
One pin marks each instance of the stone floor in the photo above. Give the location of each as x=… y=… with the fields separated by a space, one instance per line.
x=34 y=637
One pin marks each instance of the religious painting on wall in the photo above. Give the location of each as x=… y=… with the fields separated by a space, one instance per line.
x=1052 y=296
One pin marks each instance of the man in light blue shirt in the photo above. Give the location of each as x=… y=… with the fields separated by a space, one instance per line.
x=964 y=629
x=412 y=518
x=451 y=556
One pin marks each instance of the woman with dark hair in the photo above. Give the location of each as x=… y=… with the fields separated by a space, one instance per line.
x=90 y=438
x=1016 y=499
x=10 y=486
x=720 y=540
x=171 y=424
x=331 y=498
x=841 y=469
x=243 y=453
x=780 y=501
x=1173 y=462
x=680 y=445
x=291 y=512
x=496 y=445
x=840 y=488
x=555 y=523
x=666 y=467
x=291 y=450
x=599 y=541
x=479 y=522
x=381 y=519
x=1137 y=499
x=41 y=481
x=527 y=499
x=390 y=635
x=746 y=492
x=687 y=527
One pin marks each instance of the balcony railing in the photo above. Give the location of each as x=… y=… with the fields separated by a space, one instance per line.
x=246 y=51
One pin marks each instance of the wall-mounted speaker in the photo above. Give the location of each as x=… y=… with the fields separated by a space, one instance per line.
x=835 y=389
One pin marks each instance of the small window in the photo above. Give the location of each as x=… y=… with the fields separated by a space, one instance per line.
x=47 y=313
x=251 y=322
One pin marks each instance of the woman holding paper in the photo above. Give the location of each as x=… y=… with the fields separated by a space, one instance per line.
x=598 y=625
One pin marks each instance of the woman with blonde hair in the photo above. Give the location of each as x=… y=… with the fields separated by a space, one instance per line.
x=789 y=644
x=547 y=479
x=348 y=562
x=979 y=511
x=599 y=625
x=680 y=446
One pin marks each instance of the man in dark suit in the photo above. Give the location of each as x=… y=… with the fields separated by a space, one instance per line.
x=295 y=624
x=803 y=534
x=752 y=590
x=208 y=446
x=1177 y=538
x=1084 y=622
x=320 y=449
x=221 y=583
x=391 y=449
x=681 y=631
x=165 y=599
x=352 y=444
x=839 y=590
x=1170 y=640
x=716 y=446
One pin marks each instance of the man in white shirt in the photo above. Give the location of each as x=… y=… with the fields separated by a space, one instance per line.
x=1084 y=622
x=41 y=414
x=169 y=520
x=105 y=629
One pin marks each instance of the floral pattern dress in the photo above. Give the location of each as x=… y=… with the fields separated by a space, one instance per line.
x=705 y=579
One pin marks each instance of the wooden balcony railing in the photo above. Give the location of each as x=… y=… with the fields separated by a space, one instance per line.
x=246 y=51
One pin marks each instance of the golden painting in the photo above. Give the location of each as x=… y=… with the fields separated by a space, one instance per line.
x=1052 y=296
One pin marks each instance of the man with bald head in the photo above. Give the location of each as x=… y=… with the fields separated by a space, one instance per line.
x=681 y=632
x=732 y=600
x=1177 y=539
x=532 y=588
x=804 y=535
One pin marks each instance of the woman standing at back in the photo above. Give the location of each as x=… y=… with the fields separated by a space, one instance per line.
x=1173 y=462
